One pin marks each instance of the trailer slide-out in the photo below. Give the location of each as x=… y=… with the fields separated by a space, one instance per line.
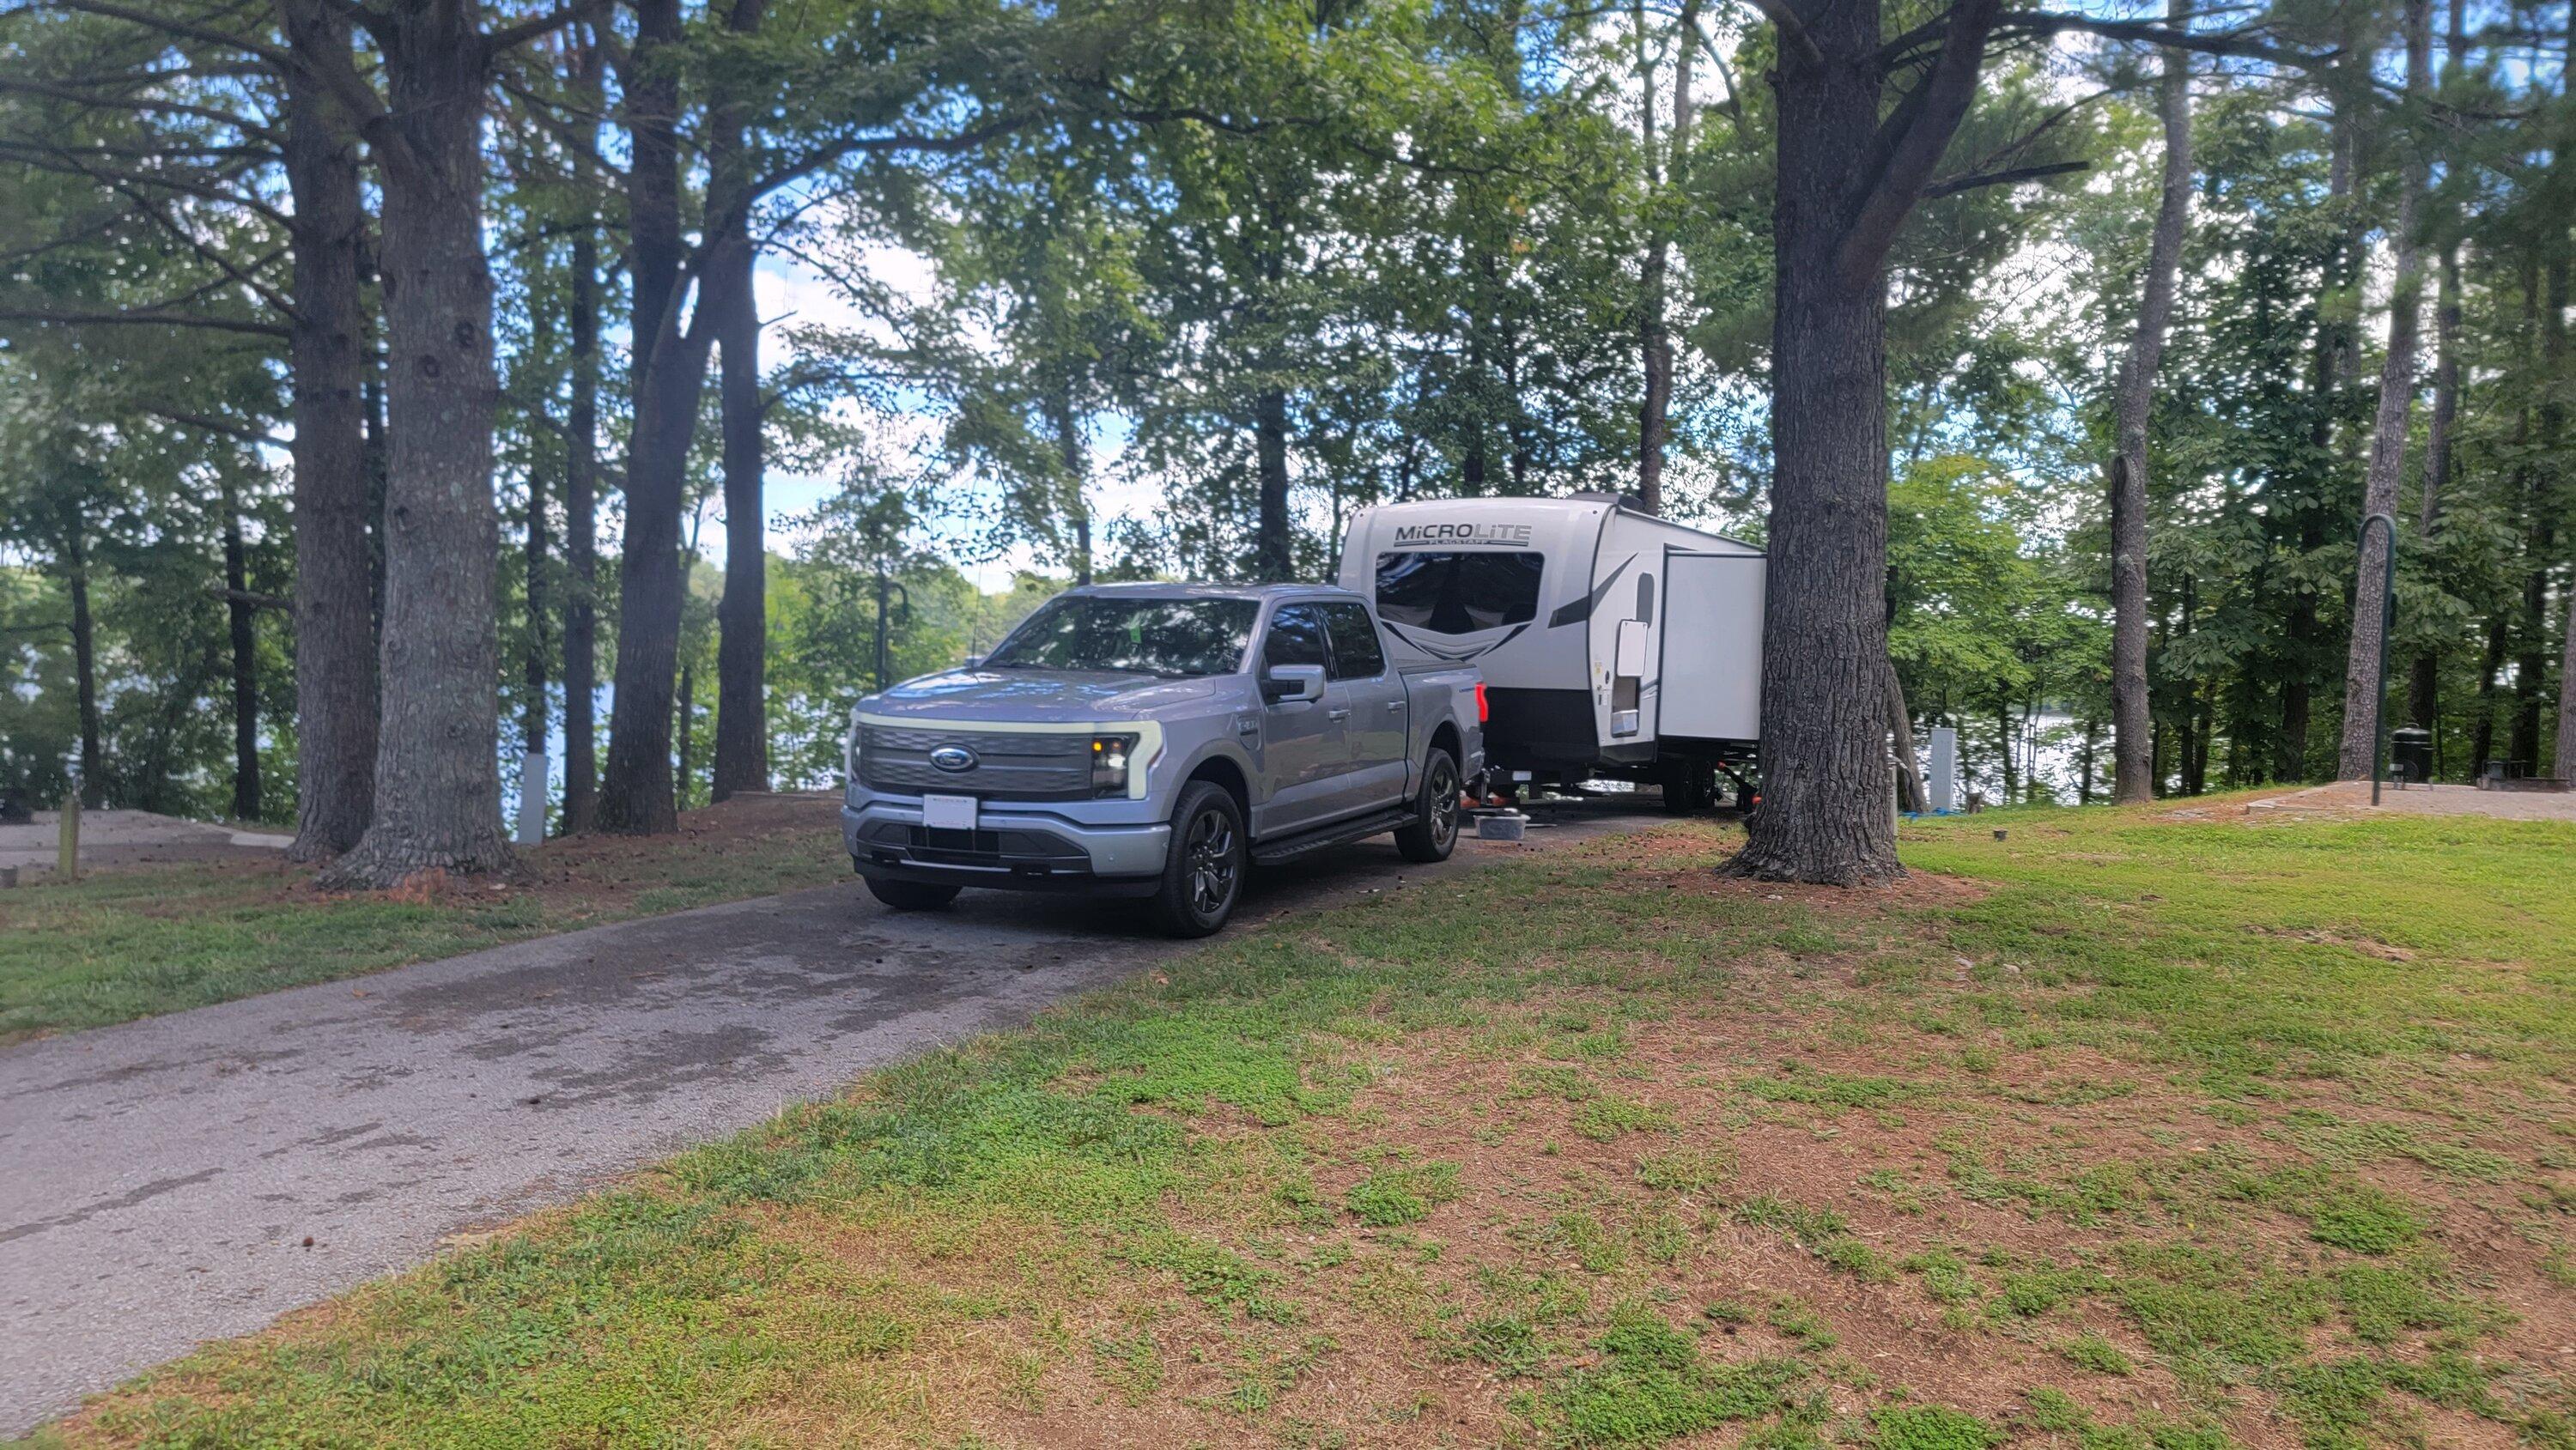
x=1613 y=643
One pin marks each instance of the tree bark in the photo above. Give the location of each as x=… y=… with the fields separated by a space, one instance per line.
x=335 y=560
x=1843 y=190
x=2423 y=693
x=532 y=665
x=742 y=617
x=245 y=647
x=2131 y=714
x=2482 y=735
x=2563 y=764
x=2532 y=665
x=1909 y=761
x=84 y=654
x=438 y=786
x=637 y=797
x=2362 y=690
x=1654 y=333
x=581 y=544
x=1274 y=557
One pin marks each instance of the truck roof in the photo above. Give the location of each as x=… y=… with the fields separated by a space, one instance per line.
x=1151 y=589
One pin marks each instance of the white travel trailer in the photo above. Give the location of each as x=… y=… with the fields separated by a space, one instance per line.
x=1614 y=643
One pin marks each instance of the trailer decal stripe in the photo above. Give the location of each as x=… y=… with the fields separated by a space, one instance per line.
x=1581 y=609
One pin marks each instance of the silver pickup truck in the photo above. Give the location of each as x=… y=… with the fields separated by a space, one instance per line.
x=1156 y=741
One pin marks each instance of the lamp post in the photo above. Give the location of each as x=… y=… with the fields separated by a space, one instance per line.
x=2387 y=627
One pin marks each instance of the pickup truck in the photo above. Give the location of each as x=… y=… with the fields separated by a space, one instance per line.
x=1157 y=741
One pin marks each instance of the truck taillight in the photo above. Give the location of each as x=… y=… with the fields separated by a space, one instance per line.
x=1484 y=711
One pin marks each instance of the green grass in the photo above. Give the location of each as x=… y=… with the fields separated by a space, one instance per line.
x=118 y=945
x=1363 y=1167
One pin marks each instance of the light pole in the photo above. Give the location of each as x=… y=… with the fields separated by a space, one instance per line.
x=2387 y=627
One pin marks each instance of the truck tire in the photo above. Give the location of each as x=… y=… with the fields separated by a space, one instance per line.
x=1203 y=872
x=1434 y=832
x=910 y=895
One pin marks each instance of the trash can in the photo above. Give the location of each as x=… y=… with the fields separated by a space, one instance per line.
x=2412 y=749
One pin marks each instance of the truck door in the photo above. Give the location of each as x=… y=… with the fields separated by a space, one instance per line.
x=1379 y=729
x=1305 y=744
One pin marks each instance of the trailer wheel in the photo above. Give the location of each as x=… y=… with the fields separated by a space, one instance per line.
x=1434 y=831
x=1690 y=788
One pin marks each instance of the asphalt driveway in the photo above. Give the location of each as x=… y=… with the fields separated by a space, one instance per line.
x=192 y=1177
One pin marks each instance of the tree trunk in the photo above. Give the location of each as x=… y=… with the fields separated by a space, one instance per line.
x=1909 y=761
x=688 y=732
x=245 y=647
x=1061 y=416
x=742 y=617
x=2131 y=713
x=2563 y=764
x=1654 y=332
x=1840 y=197
x=581 y=544
x=1274 y=556
x=2423 y=693
x=2482 y=738
x=532 y=666
x=2363 y=688
x=438 y=785
x=335 y=560
x=2530 y=673
x=84 y=655
x=637 y=796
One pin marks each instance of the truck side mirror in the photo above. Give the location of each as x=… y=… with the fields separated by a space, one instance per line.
x=1292 y=684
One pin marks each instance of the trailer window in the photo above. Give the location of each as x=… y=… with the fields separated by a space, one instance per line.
x=1458 y=593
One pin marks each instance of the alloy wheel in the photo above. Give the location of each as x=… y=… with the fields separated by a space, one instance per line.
x=1211 y=860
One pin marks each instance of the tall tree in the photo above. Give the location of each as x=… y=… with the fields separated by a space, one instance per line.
x=438 y=786
x=2362 y=684
x=742 y=618
x=2133 y=730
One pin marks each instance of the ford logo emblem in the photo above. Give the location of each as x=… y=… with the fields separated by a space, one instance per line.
x=953 y=758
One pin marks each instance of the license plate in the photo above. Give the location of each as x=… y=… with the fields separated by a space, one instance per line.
x=948 y=812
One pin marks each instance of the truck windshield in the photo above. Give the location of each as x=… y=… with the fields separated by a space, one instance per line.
x=1174 y=637
x=1458 y=593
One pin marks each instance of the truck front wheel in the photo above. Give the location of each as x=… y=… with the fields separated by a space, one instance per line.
x=1434 y=831
x=1203 y=874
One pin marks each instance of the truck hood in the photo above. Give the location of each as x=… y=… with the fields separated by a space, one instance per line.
x=1034 y=696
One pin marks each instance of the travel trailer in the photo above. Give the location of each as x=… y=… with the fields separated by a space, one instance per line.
x=1614 y=643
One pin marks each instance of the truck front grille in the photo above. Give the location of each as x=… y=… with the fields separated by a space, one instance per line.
x=1009 y=765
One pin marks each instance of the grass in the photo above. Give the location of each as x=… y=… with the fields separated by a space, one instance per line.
x=2126 y=1134
x=122 y=944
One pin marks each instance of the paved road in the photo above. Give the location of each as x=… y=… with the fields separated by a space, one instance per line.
x=192 y=1177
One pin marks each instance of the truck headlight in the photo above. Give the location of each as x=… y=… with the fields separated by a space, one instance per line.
x=1109 y=760
x=850 y=752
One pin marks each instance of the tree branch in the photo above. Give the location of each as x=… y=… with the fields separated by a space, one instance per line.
x=138 y=317
x=1793 y=31
x=2238 y=43
x=1938 y=103
x=1950 y=186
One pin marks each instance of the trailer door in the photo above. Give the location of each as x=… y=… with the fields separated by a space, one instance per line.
x=1712 y=646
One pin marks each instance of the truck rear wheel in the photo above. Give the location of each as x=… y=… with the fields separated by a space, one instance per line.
x=1434 y=832
x=1204 y=870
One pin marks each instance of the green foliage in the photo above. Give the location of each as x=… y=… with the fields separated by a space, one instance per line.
x=1391 y=1197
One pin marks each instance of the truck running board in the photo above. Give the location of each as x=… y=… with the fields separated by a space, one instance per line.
x=1339 y=833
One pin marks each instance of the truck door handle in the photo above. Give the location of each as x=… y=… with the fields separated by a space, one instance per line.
x=1341 y=714
x=1395 y=704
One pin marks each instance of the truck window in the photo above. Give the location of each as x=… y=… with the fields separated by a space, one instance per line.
x=1458 y=593
x=1356 y=653
x=1296 y=638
